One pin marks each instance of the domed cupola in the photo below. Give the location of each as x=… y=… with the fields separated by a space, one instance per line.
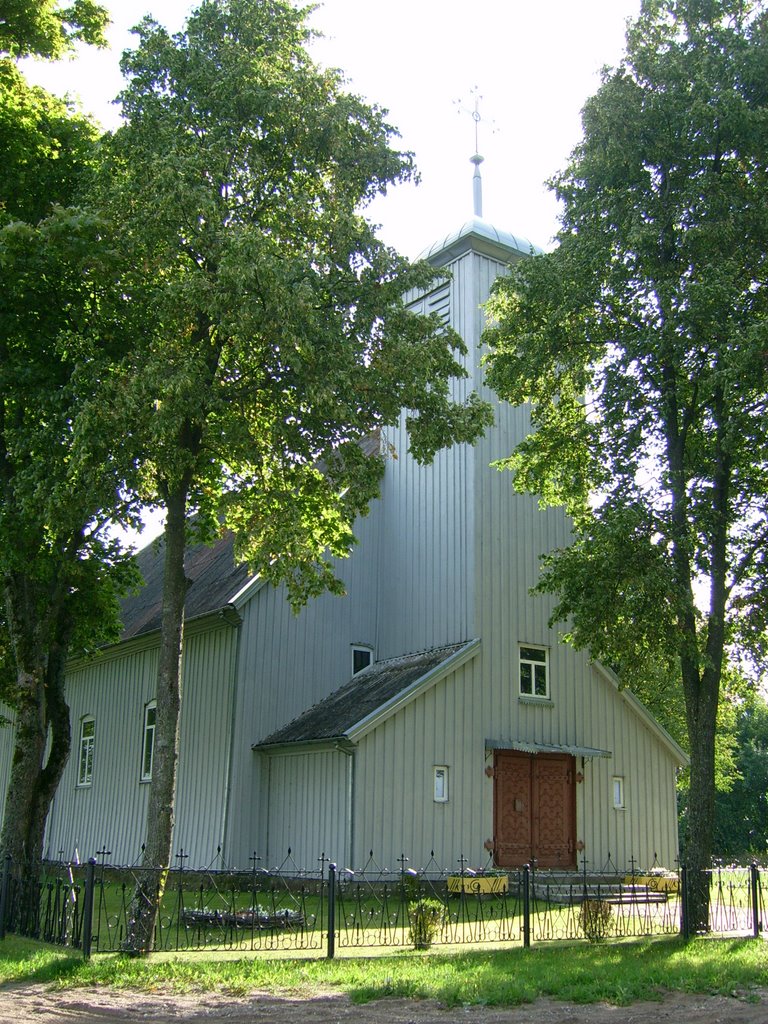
x=477 y=234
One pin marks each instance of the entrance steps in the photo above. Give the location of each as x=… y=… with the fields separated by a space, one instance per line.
x=575 y=887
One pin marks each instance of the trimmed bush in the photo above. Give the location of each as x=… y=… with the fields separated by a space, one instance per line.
x=595 y=918
x=426 y=918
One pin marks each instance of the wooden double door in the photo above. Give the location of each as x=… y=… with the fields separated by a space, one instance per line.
x=534 y=809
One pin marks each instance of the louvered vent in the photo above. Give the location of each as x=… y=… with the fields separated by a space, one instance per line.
x=439 y=301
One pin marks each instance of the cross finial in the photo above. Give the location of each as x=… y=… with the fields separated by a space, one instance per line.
x=477 y=181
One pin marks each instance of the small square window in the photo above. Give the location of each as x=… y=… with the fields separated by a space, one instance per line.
x=441 y=783
x=87 y=740
x=618 y=792
x=148 y=744
x=534 y=672
x=361 y=658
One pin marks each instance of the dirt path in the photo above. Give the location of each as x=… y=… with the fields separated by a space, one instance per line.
x=35 y=1004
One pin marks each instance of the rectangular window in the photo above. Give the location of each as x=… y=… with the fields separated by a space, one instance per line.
x=148 y=746
x=441 y=784
x=361 y=658
x=618 y=792
x=534 y=675
x=87 y=737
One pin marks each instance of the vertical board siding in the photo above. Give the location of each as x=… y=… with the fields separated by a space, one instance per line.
x=449 y=553
x=289 y=662
x=110 y=813
x=204 y=744
x=448 y=725
x=308 y=811
x=425 y=593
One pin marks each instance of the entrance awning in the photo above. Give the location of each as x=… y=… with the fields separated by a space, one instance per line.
x=526 y=747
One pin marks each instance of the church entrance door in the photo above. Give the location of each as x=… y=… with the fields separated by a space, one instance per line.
x=534 y=809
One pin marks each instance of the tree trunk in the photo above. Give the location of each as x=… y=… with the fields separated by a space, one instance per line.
x=701 y=802
x=152 y=875
x=42 y=715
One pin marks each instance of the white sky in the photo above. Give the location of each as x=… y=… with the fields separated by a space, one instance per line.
x=533 y=63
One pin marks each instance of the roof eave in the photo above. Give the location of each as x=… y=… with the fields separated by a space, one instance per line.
x=642 y=711
x=340 y=743
x=410 y=693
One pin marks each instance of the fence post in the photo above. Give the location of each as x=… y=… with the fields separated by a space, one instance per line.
x=526 y=906
x=4 y=887
x=754 y=879
x=684 y=919
x=90 y=875
x=331 y=911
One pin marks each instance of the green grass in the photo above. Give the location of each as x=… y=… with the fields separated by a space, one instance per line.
x=619 y=974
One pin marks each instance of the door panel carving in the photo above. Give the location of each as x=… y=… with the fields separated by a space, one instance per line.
x=534 y=809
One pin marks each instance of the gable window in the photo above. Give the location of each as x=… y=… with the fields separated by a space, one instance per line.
x=534 y=672
x=87 y=737
x=148 y=745
x=361 y=658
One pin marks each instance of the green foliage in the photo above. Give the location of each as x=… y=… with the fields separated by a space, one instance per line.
x=741 y=812
x=426 y=917
x=62 y=473
x=46 y=149
x=60 y=334
x=275 y=342
x=46 y=29
x=640 y=344
x=278 y=342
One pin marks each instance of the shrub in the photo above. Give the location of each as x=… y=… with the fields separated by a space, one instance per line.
x=595 y=919
x=426 y=917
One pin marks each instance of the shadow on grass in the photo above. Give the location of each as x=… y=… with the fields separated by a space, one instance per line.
x=619 y=974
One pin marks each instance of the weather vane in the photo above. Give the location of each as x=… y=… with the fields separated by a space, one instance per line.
x=477 y=182
x=476 y=116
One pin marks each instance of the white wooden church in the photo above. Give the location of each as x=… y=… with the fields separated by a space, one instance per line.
x=431 y=709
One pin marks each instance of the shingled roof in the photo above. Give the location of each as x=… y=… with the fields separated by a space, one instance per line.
x=214 y=576
x=365 y=693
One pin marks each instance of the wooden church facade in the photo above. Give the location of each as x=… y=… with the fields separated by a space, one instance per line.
x=430 y=710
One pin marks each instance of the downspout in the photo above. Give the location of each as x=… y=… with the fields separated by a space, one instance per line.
x=350 y=753
x=234 y=689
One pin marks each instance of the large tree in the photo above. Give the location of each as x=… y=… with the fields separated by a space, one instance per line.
x=281 y=336
x=59 y=334
x=60 y=484
x=641 y=343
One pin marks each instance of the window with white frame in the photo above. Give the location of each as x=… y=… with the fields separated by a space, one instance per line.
x=362 y=657
x=618 y=792
x=440 y=777
x=534 y=672
x=148 y=744
x=87 y=739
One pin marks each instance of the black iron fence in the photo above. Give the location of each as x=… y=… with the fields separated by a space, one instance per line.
x=330 y=911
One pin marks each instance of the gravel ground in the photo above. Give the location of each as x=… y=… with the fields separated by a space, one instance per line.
x=36 y=1004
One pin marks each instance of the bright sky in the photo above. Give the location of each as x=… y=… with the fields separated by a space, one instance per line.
x=533 y=63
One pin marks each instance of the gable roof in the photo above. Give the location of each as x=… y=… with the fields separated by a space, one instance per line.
x=215 y=580
x=370 y=696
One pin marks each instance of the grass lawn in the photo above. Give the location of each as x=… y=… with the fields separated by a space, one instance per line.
x=620 y=973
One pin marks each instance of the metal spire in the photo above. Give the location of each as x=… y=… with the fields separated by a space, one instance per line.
x=477 y=181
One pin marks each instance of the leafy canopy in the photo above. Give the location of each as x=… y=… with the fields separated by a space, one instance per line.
x=278 y=336
x=44 y=28
x=641 y=344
